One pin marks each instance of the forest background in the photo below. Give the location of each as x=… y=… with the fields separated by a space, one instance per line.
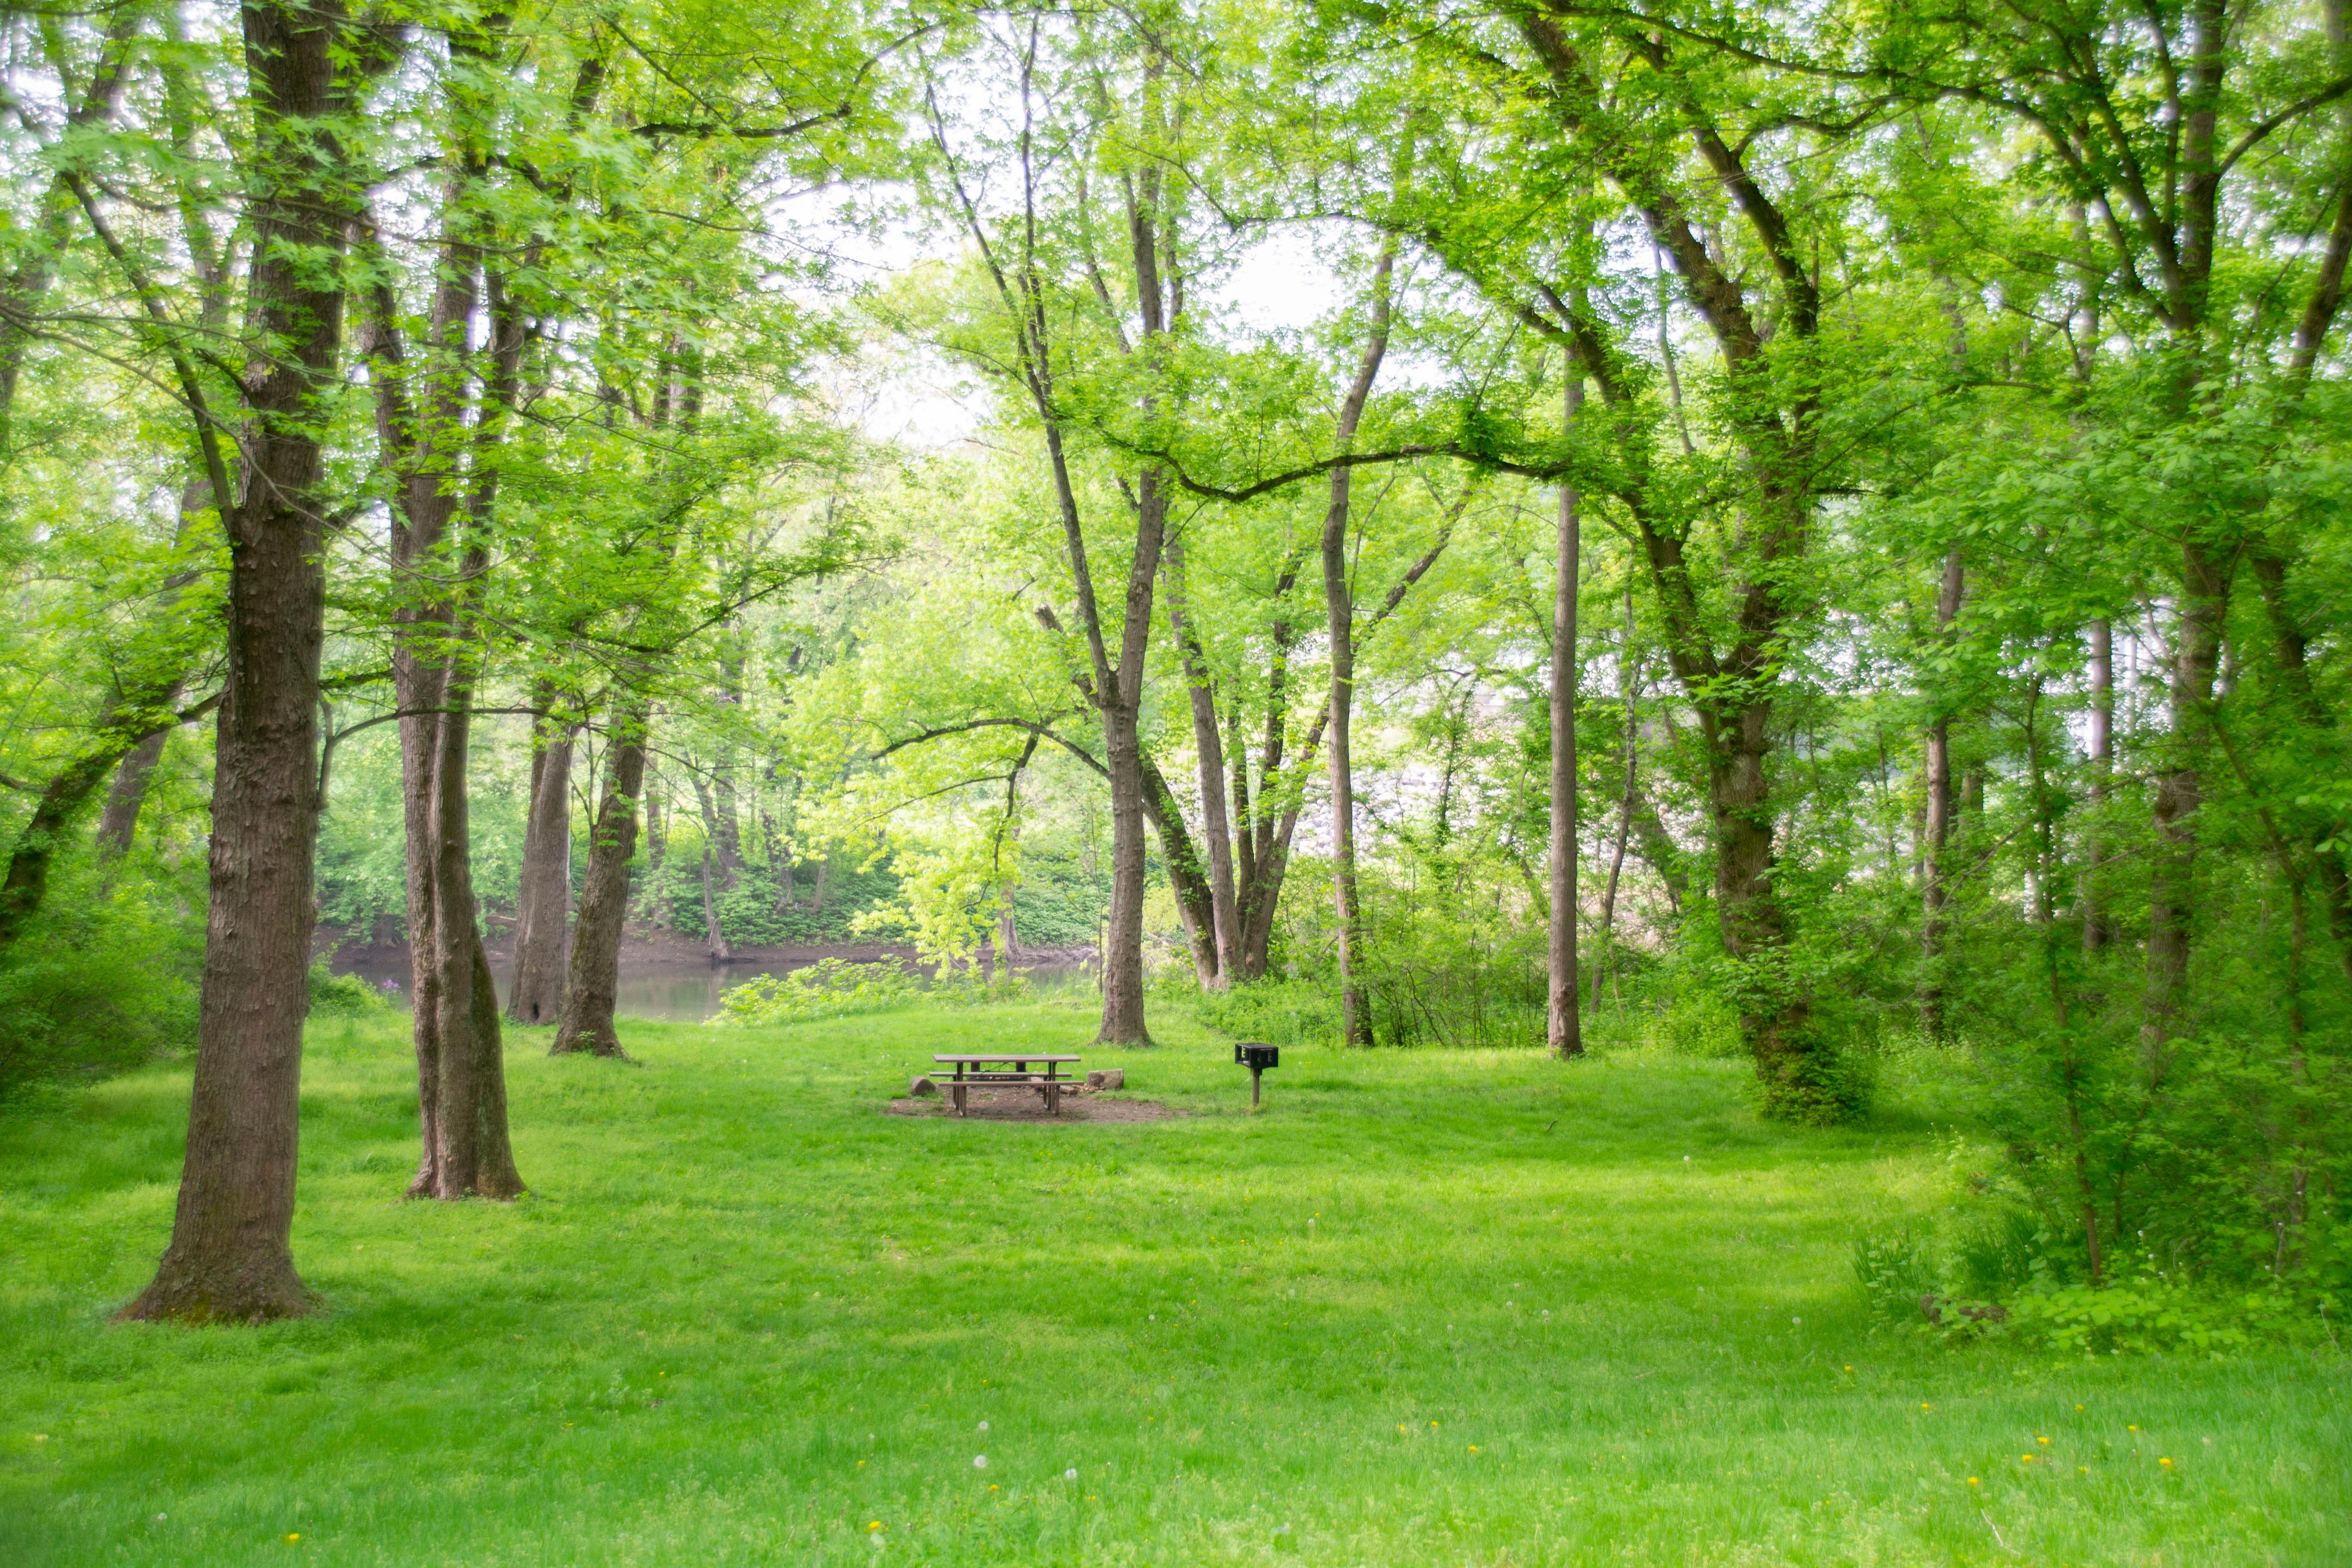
x=1773 y=533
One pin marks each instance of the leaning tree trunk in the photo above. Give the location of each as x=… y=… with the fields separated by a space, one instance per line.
x=128 y=721
x=1937 y=828
x=230 y=1255
x=594 y=989
x=1223 y=952
x=118 y=824
x=714 y=934
x=1339 y=606
x=2179 y=790
x=2101 y=757
x=542 y=940
x=1563 y=1028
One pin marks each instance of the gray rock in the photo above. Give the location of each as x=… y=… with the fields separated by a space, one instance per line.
x=1107 y=1077
x=922 y=1087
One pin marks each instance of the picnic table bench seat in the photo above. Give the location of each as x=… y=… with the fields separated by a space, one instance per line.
x=986 y=1069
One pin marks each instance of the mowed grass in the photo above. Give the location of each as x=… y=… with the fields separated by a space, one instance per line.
x=1426 y=1309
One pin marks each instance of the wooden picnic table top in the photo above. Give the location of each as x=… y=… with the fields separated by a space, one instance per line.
x=1008 y=1057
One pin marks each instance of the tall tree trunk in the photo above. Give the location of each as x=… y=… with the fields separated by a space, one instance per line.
x=1208 y=744
x=1563 y=1027
x=460 y=1055
x=230 y=1256
x=1754 y=922
x=542 y=943
x=1938 y=833
x=1339 y=604
x=1355 y=1019
x=1114 y=687
x=442 y=509
x=1122 y=1018
x=592 y=989
x=2097 y=931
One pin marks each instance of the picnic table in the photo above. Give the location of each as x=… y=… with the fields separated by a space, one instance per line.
x=1011 y=1068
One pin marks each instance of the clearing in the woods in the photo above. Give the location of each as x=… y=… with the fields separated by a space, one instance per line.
x=1428 y=1308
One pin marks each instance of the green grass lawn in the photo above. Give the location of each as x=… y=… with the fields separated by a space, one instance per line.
x=1427 y=1309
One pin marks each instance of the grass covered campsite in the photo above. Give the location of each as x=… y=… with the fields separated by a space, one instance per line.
x=1437 y=1307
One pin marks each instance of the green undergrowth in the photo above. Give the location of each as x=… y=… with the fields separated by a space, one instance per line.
x=1429 y=1308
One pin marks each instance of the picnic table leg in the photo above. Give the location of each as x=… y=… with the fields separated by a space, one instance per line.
x=957 y=1089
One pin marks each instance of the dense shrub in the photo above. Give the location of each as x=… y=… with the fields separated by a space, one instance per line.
x=1277 y=1011
x=106 y=976
x=336 y=996
x=834 y=988
x=830 y=988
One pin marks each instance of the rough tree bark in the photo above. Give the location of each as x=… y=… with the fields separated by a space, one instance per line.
x=460 y=1065
x=1563 y=1027
x=230 y=1256
x=593 y=990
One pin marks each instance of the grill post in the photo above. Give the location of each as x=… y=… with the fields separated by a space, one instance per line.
x=1256 y=1055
